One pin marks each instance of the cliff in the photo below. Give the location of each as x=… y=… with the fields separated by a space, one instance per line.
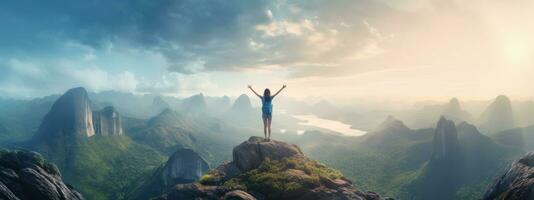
x=517 y=183
x=107 y=122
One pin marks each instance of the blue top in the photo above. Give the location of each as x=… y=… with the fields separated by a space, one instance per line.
x=267 y=105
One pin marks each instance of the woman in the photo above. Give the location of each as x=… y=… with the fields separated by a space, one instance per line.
x=267 y=109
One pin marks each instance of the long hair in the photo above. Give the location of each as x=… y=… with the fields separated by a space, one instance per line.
x=267 y=94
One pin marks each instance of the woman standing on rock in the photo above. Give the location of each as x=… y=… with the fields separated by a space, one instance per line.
x=267 y=109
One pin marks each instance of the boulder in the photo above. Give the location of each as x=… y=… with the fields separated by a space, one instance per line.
x=250 y=154
x=25 y=175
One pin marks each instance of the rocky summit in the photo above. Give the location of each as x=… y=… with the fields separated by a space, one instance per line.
x=25 y=175
x=517 y=183
x=250 y=154
x=267 y=170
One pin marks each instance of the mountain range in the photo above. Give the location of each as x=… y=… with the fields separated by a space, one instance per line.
x=106 y=154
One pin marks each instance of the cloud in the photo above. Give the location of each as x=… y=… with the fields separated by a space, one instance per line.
x=177 y=84
x=193 y=35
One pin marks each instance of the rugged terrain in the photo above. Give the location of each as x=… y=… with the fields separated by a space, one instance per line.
x=270 y=170
x=517 y=183
x=25 y=175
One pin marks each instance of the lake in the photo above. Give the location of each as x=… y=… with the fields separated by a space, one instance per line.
x=332 y=125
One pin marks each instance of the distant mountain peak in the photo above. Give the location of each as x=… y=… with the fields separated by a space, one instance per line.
x=503 y=99
x=195 y=103
x=242 y=102
x=391 y=123
x=498 y=116
x=167 y=117
x=454 y=104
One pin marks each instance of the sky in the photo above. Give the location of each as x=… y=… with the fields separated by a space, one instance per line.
x=336 y=49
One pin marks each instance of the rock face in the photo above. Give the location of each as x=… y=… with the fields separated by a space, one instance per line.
x=517 y=183
x=70 y=114
x=25 y=175
x=498 y=116
x=107 y=122
x=184 y=166
x=445 y=141
x=278 y=160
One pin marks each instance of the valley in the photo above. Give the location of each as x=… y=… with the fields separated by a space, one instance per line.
x=106 y=152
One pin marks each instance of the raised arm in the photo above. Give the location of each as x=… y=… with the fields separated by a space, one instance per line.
x=250 y=87
x=280 y=90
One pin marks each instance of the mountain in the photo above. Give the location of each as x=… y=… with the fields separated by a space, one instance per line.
x=521 y=138
x=218 y=105
x=498 y=116
x=242 y=103
x=516 y=184
x=184 y=166
x=445 y=143
x=439 y=179
x=454 y=112
x=128 y=104
x=70 y=116
x=107 y=122
x=25 y=175
x=159 y=104
x=386 y=132
x=462 y=164
x=270 y=170
x=101 y=167
x=69 y=120
x=22 y=117
x=171 y=130
x=428 y=115
x=194 y=104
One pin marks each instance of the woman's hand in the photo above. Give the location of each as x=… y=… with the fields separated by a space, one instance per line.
x=249 y=86
x=284 y=86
